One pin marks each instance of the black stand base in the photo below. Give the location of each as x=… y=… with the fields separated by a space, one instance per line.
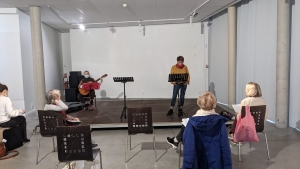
x=123 y=113
x=178 y=106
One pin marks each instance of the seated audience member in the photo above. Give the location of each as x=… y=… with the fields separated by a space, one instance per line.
x=253 y=98
x=203 y=111
x=205 y=138
x=53 y=102
x=10 y=117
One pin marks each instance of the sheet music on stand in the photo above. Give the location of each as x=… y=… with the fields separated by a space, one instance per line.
x=123 y=79
x=178 y=77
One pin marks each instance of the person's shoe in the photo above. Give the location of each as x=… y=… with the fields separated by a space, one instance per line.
x=172 y=142
x=170 y=112
x=94 y=145
x=235 y=143
x=26 y=140
x=230 y=136
x=180 y=112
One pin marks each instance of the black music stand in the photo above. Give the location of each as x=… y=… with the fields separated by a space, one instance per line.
x=179 y=78
x=123 y=80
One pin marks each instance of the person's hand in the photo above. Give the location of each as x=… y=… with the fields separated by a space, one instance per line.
x=90 y=82
x=101 y=80
x=186 y=83
x=75 y=119
x=174 y=83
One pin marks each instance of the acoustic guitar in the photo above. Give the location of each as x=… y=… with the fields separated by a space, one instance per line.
x=85 y=92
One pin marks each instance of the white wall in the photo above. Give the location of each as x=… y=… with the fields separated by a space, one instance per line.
x=147 y=58
x=256 y=49
x=16 y=56
x=66 y=52
x=218 y=57
x=10 y=55
x=27 y=61
x=53 y=62
x=294 y=109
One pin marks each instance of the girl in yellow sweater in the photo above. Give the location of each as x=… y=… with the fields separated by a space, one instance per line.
x=179 y=68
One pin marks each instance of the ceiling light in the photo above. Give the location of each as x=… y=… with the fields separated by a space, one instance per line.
x=124 y=5
x=82 y=27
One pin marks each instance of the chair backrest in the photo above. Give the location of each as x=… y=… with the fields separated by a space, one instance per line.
x=140 y=120
x=74 y=143
x=48 y=120
x=259 y=114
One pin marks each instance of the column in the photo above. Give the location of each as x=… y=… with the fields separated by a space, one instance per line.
x=231 y=55
x=282 y=63
x=38 y=58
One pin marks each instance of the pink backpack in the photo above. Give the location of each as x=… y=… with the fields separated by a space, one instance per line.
x=245 y=128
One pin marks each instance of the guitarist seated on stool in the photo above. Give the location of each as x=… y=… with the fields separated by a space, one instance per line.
x=87 y=93
x=90 y=93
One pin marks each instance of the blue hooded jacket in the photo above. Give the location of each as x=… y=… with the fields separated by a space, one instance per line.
x=206 y=144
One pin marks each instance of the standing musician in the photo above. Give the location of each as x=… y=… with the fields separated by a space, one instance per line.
x=179 y=68
x=91 y=93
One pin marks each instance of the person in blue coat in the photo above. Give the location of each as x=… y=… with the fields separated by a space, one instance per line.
x=205 y=139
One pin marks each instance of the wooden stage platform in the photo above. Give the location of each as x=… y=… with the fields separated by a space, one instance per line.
x=109 y=111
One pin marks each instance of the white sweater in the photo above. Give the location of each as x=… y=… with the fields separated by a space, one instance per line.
x=6 y=109
x=252 y=101
x=60 y=106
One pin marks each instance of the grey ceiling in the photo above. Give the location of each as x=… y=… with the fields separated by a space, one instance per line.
x=107 y=13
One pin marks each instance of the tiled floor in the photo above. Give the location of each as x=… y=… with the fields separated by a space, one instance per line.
x=284 y=145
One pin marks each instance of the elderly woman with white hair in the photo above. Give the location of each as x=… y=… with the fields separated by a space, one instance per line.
x=53 y=102
x=253 y=98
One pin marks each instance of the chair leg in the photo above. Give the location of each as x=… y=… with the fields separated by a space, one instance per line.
x=250 y=144
x=240 y=152
x=267 y=145
x=100 y=159
x=37 y=157
x=53 y=144
x=154 y=147
x=130 y=142
x=57 y=165
x=126 y=148
x=94 y=167
x=95 y=102
x=179 y=155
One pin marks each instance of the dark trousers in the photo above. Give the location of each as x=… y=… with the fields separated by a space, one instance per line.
x=180 y=134
x=91 y=95
x=17 y=121
x=176 y=89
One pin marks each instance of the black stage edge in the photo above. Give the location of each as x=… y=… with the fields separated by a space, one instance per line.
x=108 y=112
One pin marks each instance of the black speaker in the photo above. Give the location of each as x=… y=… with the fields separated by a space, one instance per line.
x=75 y=73
x=73 y=81
x=71 y=94
x=79 y=78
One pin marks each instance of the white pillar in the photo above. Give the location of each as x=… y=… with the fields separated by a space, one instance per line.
x=282 y=63
x=38 y=58
x=231 y=55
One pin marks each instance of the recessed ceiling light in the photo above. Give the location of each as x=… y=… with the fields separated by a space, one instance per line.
x=82 y=27
x=124 y=5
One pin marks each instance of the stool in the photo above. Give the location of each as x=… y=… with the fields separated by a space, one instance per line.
x=14 y=138
x=88 y=99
